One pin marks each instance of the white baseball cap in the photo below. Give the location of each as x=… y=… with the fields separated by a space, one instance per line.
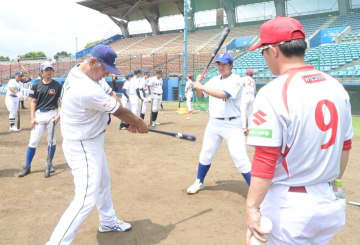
x=45 y=65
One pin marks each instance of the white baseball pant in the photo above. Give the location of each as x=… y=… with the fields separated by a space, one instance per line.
x=231 y=131
x=156 y=102
x=44 y=121
x=188 y=102
x=311 y=218
x=88 y=164
x=246 y=108
x=12 y=105
x=134 y=105
x=125 y=102
x=143 y=106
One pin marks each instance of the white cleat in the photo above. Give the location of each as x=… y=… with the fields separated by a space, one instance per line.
x=14 y=129
x=195 y=188
x=153 y=124
x=157 y=123
x=118 y=225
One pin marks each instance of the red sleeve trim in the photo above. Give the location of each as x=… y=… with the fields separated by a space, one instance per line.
x=347 y=145
x=264 y=162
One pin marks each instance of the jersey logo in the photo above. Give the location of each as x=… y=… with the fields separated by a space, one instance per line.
x=52 y=91
x=313 y=78
x=259 y=117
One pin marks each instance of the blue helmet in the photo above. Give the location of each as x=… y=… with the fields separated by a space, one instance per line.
x=129 y=75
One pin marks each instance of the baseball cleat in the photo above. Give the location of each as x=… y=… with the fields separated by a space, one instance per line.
x=14 y=129
x=119 y=225
x=195 y=188
x=24 y=171
x=157 y=123
x=153 y=124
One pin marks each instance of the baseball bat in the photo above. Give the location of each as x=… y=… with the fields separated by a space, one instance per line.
x=177 y=135
x=354 y=203
x=48 y=159
x=224 y=35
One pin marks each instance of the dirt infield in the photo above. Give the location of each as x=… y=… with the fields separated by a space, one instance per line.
x=149 y=175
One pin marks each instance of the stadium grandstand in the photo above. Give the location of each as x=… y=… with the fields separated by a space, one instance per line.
x=332 y=28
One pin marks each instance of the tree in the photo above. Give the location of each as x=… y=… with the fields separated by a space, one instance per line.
x=62 y=54
x=93 y=43
x=33 y=56
x=4 y=58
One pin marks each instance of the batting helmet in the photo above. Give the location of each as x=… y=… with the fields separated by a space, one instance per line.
x=249 y=72
x=137 y=71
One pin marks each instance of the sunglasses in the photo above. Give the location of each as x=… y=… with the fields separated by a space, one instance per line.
x=263 y=48
x=267 y=46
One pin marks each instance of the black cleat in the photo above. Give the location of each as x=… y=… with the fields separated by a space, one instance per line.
x=24 y=171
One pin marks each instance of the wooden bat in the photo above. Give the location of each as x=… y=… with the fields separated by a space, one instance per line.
x=224 y=35
x=177 y=135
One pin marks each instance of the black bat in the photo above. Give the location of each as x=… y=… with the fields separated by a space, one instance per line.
x=224 y=35
x=48 y=160
x=177 y=135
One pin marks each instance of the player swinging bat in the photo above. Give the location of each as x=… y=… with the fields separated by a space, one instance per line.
x=224 y=113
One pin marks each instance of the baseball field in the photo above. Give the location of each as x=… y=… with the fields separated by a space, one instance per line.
x=149 y=175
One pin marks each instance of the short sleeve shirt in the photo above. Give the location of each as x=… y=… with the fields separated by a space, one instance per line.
x=225 y=108
x=46 y=95
x=85 y=106
x=308 y=114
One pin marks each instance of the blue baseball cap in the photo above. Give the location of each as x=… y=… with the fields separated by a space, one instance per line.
x=19 y=73
x=129 y=75
x=106 y=55
x=147 y=72
x=137 y=71
x=224 y=58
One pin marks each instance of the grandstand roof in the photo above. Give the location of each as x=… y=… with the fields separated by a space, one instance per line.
x=117 y=8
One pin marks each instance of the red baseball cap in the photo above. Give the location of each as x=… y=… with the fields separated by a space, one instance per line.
x=249 y=72
x=280 y=29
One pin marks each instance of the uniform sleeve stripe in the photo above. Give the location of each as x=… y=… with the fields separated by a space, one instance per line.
x=116 y=105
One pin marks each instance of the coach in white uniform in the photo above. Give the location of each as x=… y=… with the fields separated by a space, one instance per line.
x=247 y=98
x=156 y=84
x=84 y=117
x=225 y=122
x=12 y=99
x=301 y=127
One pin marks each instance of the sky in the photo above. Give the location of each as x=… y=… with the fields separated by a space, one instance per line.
x=52 y=26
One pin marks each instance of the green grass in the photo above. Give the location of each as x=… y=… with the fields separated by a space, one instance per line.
x=356 y=126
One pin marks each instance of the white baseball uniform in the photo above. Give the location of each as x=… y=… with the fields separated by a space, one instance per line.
x=144 y=83
x=124 y=100
x=307 y=114
x=12 y=99
x=225 y=123
x=189 y=93
x=156 y=92
x=133 y=96
x=84 y=117
x=247 y=99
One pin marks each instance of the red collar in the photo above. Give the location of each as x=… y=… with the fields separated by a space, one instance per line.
x=297 y=69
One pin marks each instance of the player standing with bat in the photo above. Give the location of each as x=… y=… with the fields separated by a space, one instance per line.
x=44 y=115
x=224 y=93
x=84 y=116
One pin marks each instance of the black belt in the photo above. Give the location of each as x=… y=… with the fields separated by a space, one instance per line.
x=13 y=95
x=226 y=118
x=157 y=94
